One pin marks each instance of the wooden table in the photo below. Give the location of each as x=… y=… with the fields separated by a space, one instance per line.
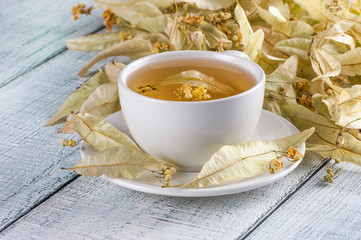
x=40 y=201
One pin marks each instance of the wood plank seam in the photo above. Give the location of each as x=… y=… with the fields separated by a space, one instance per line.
x=51 y=56
x=39 y=203
x=256 y=224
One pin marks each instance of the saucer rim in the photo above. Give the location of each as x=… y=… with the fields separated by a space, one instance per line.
x=214 y=190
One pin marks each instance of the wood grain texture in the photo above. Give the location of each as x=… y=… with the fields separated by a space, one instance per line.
x=319 y=210
x=92 y=208
x=31 y=154
x=34 y=31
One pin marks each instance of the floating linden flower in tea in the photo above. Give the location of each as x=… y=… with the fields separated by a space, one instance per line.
x=188 y=92
x=195 y=86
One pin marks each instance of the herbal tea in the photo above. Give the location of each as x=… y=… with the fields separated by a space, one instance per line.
x=191 y=81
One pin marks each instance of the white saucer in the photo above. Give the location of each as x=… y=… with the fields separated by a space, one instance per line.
x=270 y=126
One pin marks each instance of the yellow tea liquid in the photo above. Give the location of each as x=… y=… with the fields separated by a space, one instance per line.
x=229 y=74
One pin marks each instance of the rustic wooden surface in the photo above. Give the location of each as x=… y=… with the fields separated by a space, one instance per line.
x=39 y=201
x=318 y=210
x=92 y=208
x=33 y=32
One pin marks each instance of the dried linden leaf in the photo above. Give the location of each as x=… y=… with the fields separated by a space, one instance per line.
x=93 y=42
x=154 y=24
x=245 y=159
x=267 y=62
x=109 y=4
x=320 y=106
x=271 y=38
x=137 y=12
x=349 y=151
x=134 y=48
x=211 y=4
x=244 y=25
x=116 y=162
x=316 y=9
x=298 y=46
x=345 y=108
x=303 y=118
x=324 y=64
x=254 y=44
x=100 y=134
x=215 y=38
x=103 y=101
x=77 y=98
x=112 y=70
x=351 y=62
x=196 y=79
x=294 y=29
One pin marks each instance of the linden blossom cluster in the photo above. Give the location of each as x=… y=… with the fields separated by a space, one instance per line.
x=192 y=93
x=309 y=49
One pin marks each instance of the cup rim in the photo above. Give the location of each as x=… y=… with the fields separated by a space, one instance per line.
x=124 y=74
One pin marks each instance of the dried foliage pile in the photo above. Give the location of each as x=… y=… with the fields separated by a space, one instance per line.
x=309 y=49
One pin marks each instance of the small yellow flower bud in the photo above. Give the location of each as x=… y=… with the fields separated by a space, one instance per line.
x=271 y=170
x=71 y=143
x=167 y=178
x=330 y=180
x=337 y=160
x=227 y=16
x=329 y=91
x=235 y=38
x=326 y=178
x=329 y=170
x=64 y=143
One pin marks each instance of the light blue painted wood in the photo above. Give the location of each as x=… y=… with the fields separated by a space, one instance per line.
x=92 y=208
x=319 y=210
x=31 y=155
x=34 y=31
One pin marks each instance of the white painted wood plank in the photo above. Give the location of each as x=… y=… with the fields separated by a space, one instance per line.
x=34 y=31
x=319 y=210
x=30 y=154
x=92 y=208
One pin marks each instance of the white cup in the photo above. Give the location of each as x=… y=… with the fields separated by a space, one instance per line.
x=189 y=133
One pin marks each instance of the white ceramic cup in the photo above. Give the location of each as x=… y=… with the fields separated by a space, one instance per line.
x=189 y=133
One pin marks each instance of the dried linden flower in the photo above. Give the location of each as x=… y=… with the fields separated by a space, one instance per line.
x=109 y=19
x=192 y=93
x=80 y=9
x=277 y=163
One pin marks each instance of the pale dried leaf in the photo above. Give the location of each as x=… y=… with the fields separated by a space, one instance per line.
x=93 y=42
x=75 y=100
x=116 y=162
x=298 y=46
x=215 y=38
x=316 y=9
x=345 y=108
x=106 y=4
x=112 y=70
x=154 y=24
x=136 y=12
x=211 y=4
x=100 y=134
x=324 y=63
x=254 y=44
x=245 y=159
x=267 y=62
x=103 y=101
x=134 y=48
x=351 y=62
x=303 y=118
x=244 y=25
x=349 y=151
x=196 y=79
